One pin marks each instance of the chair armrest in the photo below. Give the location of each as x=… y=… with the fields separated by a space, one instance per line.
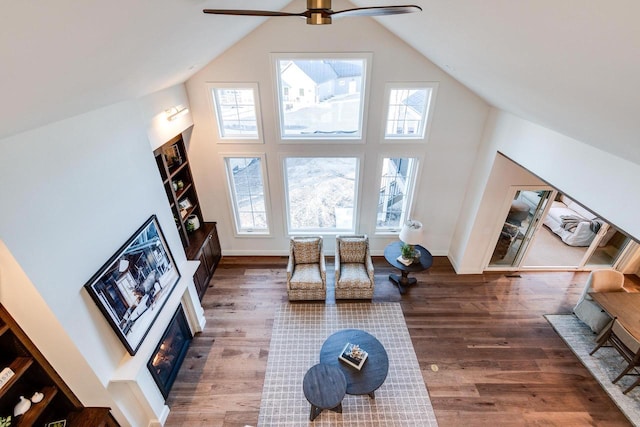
x=323 y=268
x=290 y=267
x=369 y=267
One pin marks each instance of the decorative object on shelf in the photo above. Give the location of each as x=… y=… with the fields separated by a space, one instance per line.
x=411 y=235
x=37 y=397
x=5 y=375
x=131 y=288
x=174 y=184
x=59 y=423
x=21 y=407
x=180 y=184
x=185 y=203
x=193 y=223
x=353 y=355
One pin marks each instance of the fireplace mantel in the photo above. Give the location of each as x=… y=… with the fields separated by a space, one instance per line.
x=131 y=383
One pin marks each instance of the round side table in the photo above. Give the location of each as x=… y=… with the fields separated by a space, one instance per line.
x=324 y=387
x=391 y=254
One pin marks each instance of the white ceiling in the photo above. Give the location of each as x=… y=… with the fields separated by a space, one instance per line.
x=570 y=65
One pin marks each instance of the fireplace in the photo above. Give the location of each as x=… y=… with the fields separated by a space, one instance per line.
x=167 y=358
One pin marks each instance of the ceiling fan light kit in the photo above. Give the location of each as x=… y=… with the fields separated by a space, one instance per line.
x=319 y=12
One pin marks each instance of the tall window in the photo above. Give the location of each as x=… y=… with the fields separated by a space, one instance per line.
x=237 y=111
x=321 y=96
x=408 y=110
x=321 y=193
x=396 y=191
x=246 y=184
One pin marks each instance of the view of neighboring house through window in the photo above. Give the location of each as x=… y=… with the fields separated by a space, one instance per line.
x=396 y=189
x=321 y=98
x=246 y=184
x=321 y=193
x=408 y=111
x=237 y=111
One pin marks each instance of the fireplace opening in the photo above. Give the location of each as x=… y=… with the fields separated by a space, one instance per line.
x=168 y=356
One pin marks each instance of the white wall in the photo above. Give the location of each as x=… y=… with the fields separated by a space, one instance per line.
x=604 y=183
x=446 y=159
x=73 y=193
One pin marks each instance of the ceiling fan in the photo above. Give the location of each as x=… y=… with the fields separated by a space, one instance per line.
x=319 y=12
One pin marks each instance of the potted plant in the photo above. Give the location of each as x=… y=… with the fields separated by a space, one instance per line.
x=408 y=252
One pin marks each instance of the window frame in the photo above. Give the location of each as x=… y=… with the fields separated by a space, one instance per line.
x=218 y=122
x=413 y=184
x=231 y=195
x=427 y=119
x=364 y=96
x=356 y=195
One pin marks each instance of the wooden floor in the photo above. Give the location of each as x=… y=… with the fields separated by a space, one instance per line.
x=488 y=357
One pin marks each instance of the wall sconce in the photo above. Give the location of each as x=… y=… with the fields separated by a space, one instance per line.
x=175 y=112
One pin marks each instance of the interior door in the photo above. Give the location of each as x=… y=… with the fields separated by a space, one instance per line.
x=520 y=225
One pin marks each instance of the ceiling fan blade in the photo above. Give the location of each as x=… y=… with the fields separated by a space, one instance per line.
x=250 y=12
x=376 y=11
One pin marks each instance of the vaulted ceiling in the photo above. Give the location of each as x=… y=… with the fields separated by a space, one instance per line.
x=570 y=65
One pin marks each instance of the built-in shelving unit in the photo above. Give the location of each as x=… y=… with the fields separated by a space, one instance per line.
x=32 y=373
x=201 y=241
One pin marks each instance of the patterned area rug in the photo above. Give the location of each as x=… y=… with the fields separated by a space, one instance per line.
x=299 y=331
x=604 y=365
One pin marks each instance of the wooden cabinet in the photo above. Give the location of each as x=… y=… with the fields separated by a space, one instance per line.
x=208 y=253
x=200 y=243
x=32 y=373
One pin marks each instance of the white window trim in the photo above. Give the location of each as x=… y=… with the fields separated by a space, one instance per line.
x=231 y=195
x=211 y=86
x=429 y=112
x=364 y=99
x=413 y=184
x=322 y=231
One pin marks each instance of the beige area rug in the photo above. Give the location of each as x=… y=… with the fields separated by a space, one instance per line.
x=604 y=365
x=300 y=330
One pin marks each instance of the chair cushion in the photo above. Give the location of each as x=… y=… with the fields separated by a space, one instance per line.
x=306 y=276
x=353 y=275
x=306 y=250
x=353 y=249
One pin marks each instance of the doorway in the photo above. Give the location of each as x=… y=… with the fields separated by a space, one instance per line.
x=546 y=230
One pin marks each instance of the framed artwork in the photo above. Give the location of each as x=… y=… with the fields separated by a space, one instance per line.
x=133 y=286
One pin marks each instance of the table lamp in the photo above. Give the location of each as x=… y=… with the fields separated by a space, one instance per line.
x=411 y=234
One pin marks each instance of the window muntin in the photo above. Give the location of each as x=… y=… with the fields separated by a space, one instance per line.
x=408 y=110
x=237 y=110
x=397 y=180
x=245 y=177
x=321 y=97
x=321 y=193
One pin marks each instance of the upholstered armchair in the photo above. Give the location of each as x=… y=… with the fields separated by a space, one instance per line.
x=354 y=268
x=306 y=270
x=587 y=309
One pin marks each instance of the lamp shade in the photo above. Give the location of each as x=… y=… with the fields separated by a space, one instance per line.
x=411 y=233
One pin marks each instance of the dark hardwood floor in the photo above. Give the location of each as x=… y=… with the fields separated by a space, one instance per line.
x=487 y=355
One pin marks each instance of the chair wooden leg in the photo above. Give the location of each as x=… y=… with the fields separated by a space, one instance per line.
x=623 y=373
x=602 y=337
x=632 y=386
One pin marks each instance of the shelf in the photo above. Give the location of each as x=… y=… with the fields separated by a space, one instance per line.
x=32 y=372
x=31 y=416
x=19 y=366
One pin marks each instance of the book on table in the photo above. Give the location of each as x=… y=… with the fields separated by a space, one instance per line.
x=353 y=355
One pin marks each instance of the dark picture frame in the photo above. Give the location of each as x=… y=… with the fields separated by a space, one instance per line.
x=133 y=286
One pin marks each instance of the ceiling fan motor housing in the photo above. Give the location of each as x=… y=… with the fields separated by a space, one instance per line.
x=318 y=12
